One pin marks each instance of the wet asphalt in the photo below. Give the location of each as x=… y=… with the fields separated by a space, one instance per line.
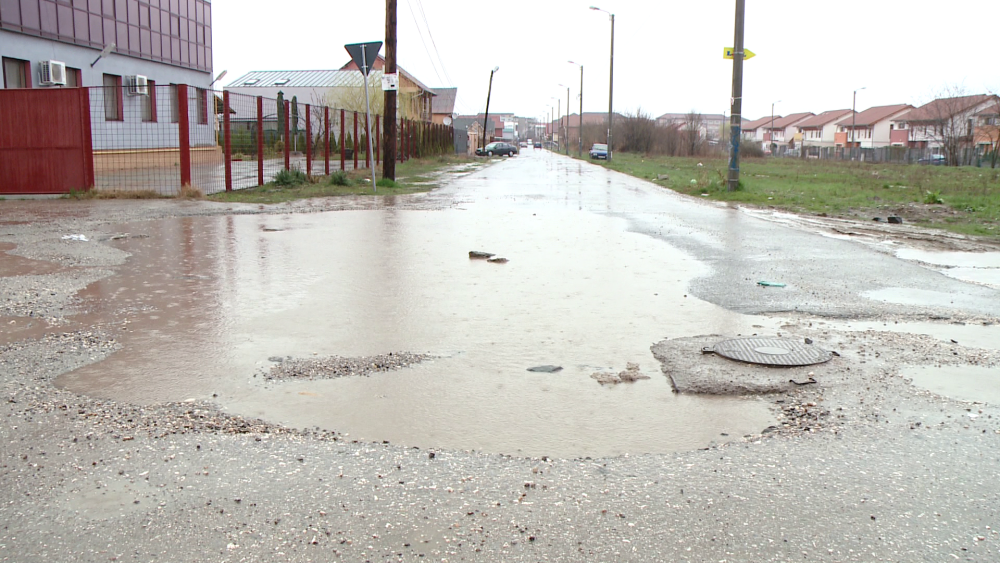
x=861 y=467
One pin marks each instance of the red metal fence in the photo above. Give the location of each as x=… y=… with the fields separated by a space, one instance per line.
x=169 y=136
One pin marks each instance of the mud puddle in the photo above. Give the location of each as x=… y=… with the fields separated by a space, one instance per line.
x=968 y=335
x=964 y=383
x=13 y=265
x=204 y=302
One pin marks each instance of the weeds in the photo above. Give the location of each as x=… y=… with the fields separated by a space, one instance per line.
x=190 y=192
x=933 y=198
x=386 y=183
x=339 y=178
x=289 y=178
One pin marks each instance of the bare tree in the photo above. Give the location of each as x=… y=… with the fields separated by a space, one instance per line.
x=636 y=132
x=693 y=123
x=949 y=121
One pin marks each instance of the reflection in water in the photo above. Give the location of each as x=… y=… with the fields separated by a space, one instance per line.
x=207 y=300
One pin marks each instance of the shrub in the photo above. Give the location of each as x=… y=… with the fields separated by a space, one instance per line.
x=339 y=178
x=386 y=183
x=287 y=178
x=933 y=198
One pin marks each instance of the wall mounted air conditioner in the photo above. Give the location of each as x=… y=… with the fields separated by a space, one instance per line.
x=138 y=85
x=53 y=73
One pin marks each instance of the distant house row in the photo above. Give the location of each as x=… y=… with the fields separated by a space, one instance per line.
x=970 y=120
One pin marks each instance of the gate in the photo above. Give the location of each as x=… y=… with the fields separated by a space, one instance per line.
x=45 y=142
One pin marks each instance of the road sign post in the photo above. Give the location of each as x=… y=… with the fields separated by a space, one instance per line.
x=362 y=53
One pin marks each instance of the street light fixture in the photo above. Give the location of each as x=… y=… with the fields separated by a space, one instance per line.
x=580 y=131
x=773 y=145
x=488 y=93
x=611 y=80
x=854 y=115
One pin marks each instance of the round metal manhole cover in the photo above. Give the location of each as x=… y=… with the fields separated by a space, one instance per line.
x=771 y=351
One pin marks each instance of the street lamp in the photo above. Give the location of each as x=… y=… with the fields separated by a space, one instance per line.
x=773 y=144
x=558 y=118
x=488 y=93
x=580 y=131
x=611 y=79
x=854 y=115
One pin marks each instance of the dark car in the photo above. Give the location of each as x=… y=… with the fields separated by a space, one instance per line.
x=538 y=144
x=599 y=150
x=497 y=149
x=933 y=160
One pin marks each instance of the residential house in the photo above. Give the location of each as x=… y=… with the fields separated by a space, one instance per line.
x=947 y=124
x=987 y=136
x=710 y=125
x=443 y=105
x=870 y=128
x=782 y=130
x=414 y=98
x=820 y=130
x=754 y=130
x=46 y=44
x=570 y=125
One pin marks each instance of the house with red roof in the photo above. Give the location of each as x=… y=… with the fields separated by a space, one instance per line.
x=870 y=128
x=945 y=123
x=819 y=130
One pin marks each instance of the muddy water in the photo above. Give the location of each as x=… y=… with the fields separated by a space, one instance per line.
x=965 y=383
x=204 y=302
x=13 y=265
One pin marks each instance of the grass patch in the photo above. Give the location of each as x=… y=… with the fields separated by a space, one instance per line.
x=962 y=200
x=113 y=194
x=412 y=176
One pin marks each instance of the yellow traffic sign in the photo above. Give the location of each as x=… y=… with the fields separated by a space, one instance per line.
x=727 y=53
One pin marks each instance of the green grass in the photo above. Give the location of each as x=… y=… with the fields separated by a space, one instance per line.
x=412 y=176
x=963 y=200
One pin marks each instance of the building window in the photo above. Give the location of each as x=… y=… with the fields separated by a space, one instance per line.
x=149 y=103
x=174 y=105
x=202 y=102
x=16 y=73
x=113 y=101
x=73 y=78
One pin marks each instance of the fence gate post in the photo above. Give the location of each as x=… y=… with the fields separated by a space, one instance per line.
x=377 y=141
x=355 y=142
x=184 y=134
x=260 y=141
x=309 y=154
x=370 y=143
x=342 y=142
x=326 y=140
x=88 y=140
x=288 y=142
x=227 y=141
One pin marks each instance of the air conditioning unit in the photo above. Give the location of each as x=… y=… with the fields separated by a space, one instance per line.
x=53 y=73
x=138 y=85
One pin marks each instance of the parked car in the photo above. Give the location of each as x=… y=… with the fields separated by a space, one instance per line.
x=497 y=149
x=599 y=150
x=538 y=144
x=933 y=160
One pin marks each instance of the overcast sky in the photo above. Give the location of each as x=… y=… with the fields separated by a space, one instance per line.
x=811 y=55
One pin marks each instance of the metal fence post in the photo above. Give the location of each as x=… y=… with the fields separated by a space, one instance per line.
x=184 y=134
x=288 y=142
x=368 y=155
x=326 y=140
x=343 y=153
x=355 y=142
x=227 y=141
x=88 y=140
x=309 y=154
x=260 y=141
x=377 y=141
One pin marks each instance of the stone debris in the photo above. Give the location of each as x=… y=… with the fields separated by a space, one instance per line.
x=480 y=255
x=336 y=366
x=546 y=369
x=497 y=260
x=630 y=375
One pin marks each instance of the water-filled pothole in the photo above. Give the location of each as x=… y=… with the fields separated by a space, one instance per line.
x=964 y=383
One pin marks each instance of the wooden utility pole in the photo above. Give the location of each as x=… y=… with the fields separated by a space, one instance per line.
x=736 y=120
x=389 y=143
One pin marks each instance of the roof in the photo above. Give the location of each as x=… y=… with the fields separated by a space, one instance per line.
x=301 y=79
x=444 y=101
x=871 y=116
x=789 y=120
x=755 y=124
x=825 y=118
x=589 y=118
x=947 y=107
x=683 y=116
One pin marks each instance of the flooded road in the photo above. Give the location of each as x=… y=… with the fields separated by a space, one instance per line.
x=206 y=301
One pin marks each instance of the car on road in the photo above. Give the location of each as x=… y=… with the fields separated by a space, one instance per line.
x=599 y=150
x=538 y=144
x=497 y=149
x=934 y=160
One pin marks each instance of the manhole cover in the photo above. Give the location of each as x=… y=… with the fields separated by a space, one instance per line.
x=770 y=351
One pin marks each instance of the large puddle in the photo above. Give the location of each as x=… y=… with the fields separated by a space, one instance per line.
x=965 y=383
x=205 y=301
x=977 y=267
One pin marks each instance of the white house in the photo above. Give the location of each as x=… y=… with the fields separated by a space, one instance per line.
x=942 y=121
x=820 y=130
x=870 y=128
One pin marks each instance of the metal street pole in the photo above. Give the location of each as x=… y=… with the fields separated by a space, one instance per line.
x=580 y=131
x=736 y=119
x=611 y=81
x=487 y=115
x=854 y=115
x=368 y=113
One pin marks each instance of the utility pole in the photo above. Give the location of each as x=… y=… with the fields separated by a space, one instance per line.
x=389 y=142
x=567 y=121
x=736 y=120
x=580 y=136
x=487 y=115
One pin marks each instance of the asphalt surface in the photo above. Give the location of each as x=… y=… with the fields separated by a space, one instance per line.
x=861 y=466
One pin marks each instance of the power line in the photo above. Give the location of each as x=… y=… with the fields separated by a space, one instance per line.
x=422 y=40
x=420 y=5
